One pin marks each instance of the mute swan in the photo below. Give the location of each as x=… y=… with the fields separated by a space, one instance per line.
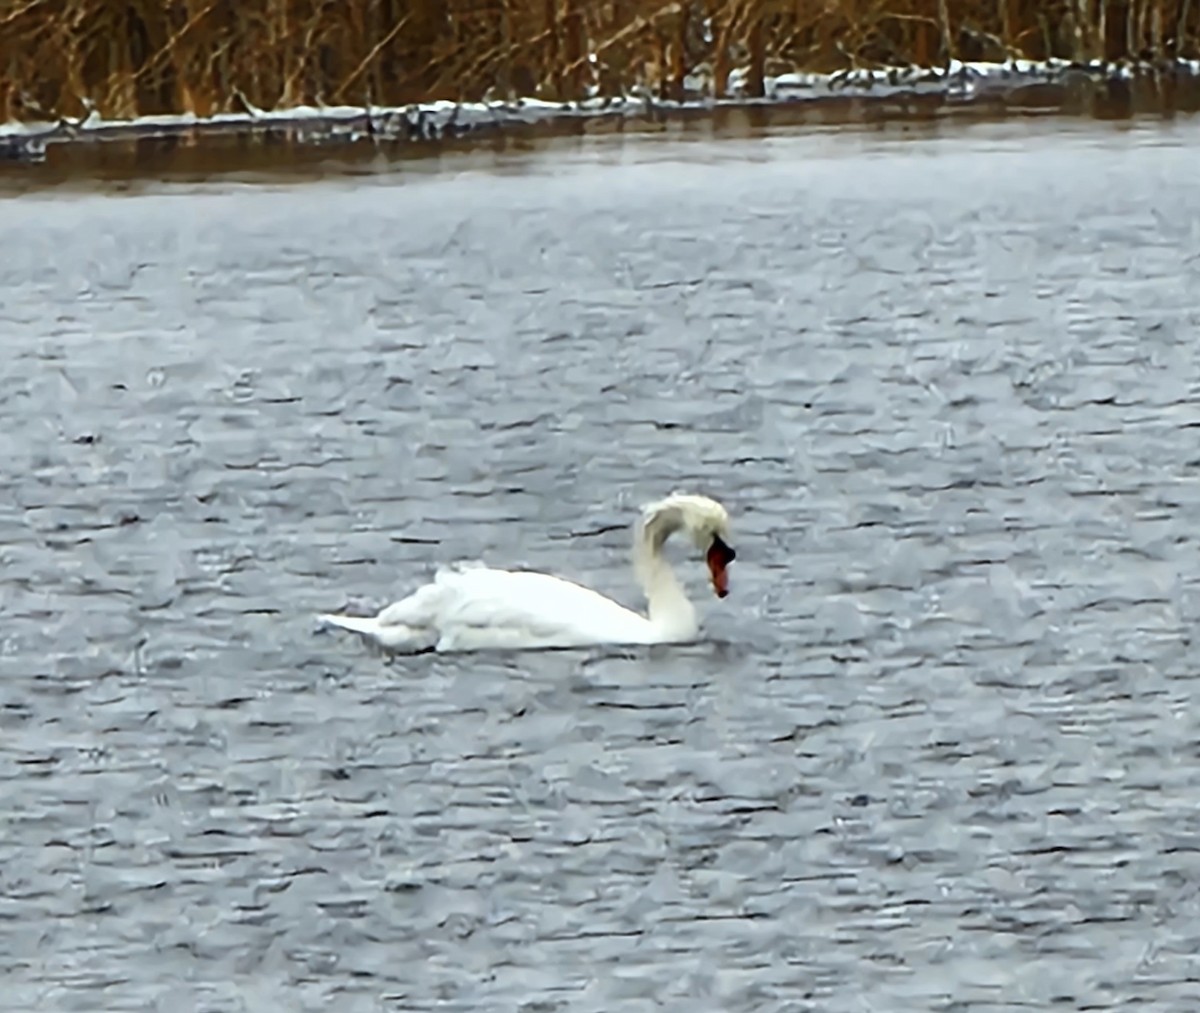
x=472 y=607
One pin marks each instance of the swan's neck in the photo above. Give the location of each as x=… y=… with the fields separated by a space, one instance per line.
x=669 y=609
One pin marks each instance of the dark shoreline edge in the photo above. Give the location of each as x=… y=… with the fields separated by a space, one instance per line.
x=1018 y=86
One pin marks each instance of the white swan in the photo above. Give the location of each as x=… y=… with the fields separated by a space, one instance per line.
x=473 y=607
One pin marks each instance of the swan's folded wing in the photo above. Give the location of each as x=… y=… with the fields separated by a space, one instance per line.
x=428 y=604
x=482 y=605
x=420 y=609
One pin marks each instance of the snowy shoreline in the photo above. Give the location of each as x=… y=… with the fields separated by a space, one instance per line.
x=959 y=83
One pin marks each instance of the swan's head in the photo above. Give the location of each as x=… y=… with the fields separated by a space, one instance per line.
x=705 y=521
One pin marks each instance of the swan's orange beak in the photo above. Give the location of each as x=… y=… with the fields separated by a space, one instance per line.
x=719 y=557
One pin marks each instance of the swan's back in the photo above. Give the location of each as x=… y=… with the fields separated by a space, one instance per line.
x=472 y=608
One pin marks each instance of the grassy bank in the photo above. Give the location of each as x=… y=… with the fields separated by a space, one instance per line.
x=136 y=57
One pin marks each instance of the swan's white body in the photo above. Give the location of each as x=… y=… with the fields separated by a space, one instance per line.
x=474 y=607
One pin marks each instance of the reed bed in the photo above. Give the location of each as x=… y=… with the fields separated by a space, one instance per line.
x=125 y=58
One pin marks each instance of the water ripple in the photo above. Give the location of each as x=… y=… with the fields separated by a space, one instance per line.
x=938 y=749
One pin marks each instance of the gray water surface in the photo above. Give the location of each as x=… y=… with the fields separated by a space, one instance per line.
x=937 y=751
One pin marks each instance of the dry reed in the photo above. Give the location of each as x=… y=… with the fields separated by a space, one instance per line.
x=136 y=57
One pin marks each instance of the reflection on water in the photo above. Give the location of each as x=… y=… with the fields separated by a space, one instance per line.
x=299 y=155
x=938 y=748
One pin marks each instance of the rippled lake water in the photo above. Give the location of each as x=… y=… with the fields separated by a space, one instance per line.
x=938 y=750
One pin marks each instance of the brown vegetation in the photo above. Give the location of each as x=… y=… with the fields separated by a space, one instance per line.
x=131 y=57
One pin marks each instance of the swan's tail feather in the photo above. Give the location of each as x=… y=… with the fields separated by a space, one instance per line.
x=390 y=636
x=355 y=624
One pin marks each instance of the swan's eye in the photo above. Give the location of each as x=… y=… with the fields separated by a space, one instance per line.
x=725 y=552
